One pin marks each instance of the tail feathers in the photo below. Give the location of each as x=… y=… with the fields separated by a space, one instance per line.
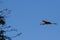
x=54 y=23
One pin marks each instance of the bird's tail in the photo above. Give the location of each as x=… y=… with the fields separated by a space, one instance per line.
x=54 y=23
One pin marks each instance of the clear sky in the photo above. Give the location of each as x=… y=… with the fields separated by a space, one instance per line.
x=26 y=16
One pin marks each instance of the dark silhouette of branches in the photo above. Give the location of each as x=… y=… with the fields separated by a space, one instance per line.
x=3 y=15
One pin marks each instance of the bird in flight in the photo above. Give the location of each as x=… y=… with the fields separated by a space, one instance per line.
x=44 y=22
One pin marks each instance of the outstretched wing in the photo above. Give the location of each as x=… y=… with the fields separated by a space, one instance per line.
x=44 y=21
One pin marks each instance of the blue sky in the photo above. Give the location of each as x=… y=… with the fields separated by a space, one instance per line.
x=26 y=16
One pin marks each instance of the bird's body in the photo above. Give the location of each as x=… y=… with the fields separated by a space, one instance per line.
x=44 y=22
